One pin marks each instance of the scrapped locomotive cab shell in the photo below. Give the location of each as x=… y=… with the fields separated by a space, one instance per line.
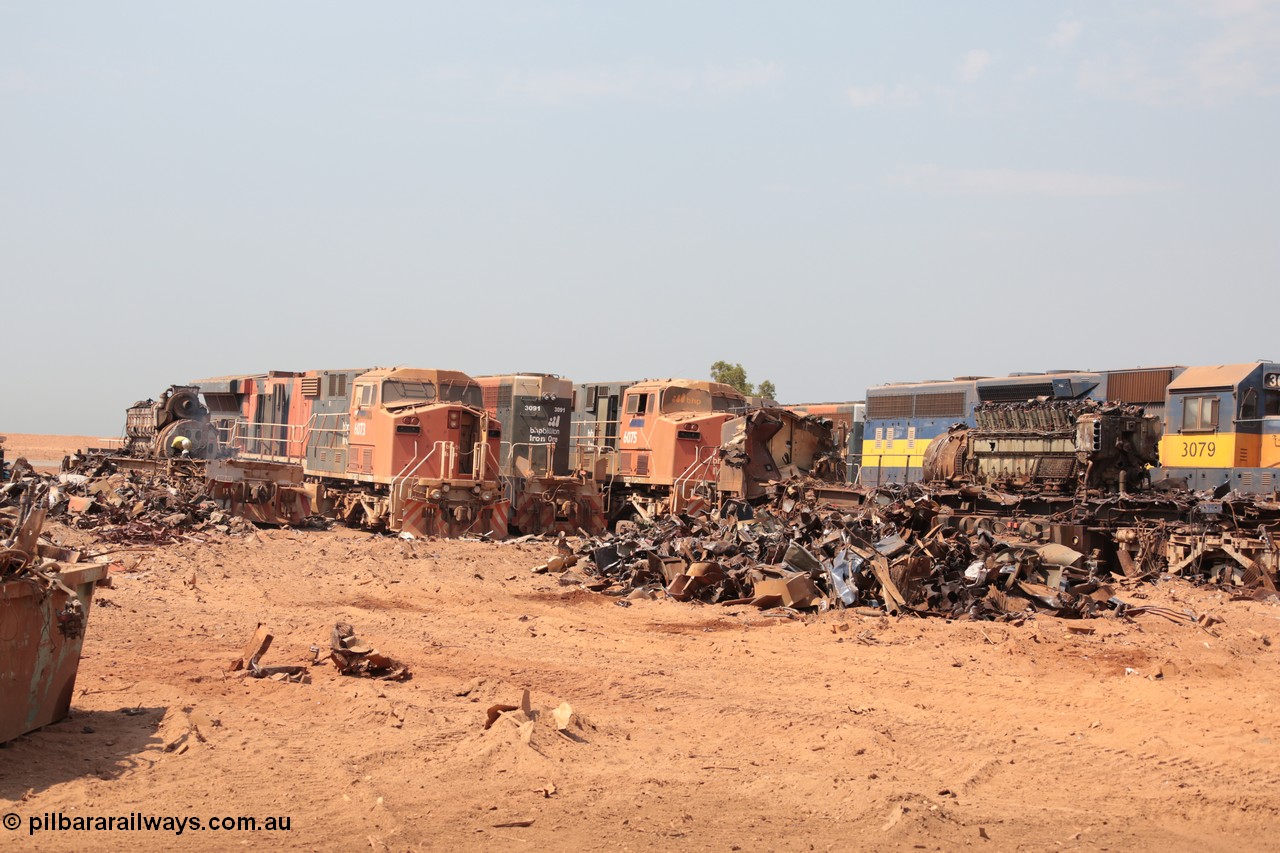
x=847 y=422
x=1222 y=428
x=773 y=444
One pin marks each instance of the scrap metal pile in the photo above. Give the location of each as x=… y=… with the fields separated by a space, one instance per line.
x=123 y=506
x=898 y=551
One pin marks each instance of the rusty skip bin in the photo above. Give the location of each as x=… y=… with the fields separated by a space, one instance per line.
x=44 y=634
x=44 y=607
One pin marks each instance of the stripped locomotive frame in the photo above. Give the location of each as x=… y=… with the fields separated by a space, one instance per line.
x=151 y=426
x=1059 y=446
x=1076 y=472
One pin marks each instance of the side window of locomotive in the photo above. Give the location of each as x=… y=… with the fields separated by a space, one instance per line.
x=1199 y=414
x=367 y=394
x=1249 y=405
x=1271 y=399
x=637 y=404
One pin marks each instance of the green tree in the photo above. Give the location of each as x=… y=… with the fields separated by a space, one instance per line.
x=735 y=375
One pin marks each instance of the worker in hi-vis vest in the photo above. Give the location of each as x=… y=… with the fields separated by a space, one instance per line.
x=182 y=446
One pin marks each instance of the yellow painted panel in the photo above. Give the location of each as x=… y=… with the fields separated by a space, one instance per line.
x=1269 y=452
x=899 y=453
x=1210 y=450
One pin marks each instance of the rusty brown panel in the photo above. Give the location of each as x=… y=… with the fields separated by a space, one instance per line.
x=1139 y=386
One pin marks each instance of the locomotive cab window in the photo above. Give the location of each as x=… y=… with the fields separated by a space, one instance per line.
x=407 y=392
x=1271 y=402
x=1199 y=414
x=637 y=404
x=468 y=394
x=368 y=395
x=677 y=399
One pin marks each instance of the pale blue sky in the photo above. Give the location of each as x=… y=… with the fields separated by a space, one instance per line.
x=833 y=194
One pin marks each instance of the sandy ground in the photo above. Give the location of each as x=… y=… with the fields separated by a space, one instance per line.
x=694 y=727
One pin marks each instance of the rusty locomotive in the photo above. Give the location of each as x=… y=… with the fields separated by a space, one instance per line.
x=401 y=449
x=440 y=453
x=679 y=445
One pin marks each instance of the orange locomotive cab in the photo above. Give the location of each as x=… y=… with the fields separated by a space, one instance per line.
x=669 y=435
x=424 y=441
x=403 y=449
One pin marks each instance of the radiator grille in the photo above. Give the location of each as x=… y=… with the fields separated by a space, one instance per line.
x=1019 y=393
x=889 y=406
x=311 y=386
x=947 y=405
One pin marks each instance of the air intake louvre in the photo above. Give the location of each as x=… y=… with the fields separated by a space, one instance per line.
x=1138 y=386
x=889 y=406
x=311 y=386
x=1019 y=393
x=947 y=405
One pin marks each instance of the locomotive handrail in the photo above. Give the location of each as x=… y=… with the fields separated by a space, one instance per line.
x=406 y=472
x=247 y=436
x=398 y=482
x=878 y=466
x=579 y=430
x=688 y=473
x=511 y=450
